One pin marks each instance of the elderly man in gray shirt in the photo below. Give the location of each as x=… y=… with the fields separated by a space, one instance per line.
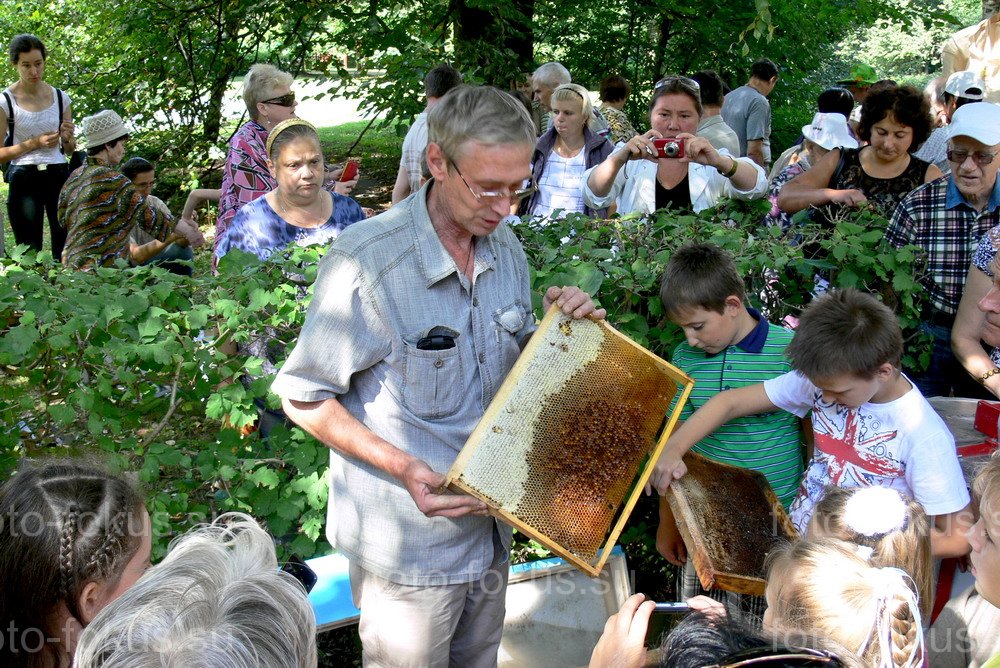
x=418 y=315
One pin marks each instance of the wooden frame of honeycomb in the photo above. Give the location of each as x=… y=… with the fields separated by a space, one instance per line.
x=729 y=518
x=566 y=446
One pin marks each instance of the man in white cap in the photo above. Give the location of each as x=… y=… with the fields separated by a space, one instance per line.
x=946 y=218
x=961 y=88
x=99 y=206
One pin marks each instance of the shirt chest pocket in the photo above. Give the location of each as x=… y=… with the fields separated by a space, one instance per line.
x=508 y=323
x=433 y=381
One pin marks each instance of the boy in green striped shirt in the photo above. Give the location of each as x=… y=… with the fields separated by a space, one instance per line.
x=728 y=345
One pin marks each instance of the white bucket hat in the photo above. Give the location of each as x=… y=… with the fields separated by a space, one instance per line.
x=103 y=127
x=829 y=131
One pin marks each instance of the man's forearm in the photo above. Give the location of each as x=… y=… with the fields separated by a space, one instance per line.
x=337 y=429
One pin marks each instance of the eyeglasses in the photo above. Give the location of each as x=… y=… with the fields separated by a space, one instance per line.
x=980 y=158
x=286 y=100
x=781 y=656
x=490 y=196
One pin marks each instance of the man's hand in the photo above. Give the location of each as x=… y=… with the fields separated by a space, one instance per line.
x=424 y=485
x=670 y=467
x=623 y=643
x=573 y=302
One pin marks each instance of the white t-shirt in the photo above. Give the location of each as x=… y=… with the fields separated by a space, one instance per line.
x=903 y=445
x=559 y=185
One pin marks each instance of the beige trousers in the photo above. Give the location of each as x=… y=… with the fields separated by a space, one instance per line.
x=442 y=626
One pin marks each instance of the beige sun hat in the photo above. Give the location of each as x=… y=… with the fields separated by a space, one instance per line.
x=103 y=127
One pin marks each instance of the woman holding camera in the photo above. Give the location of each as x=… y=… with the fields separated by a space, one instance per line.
x=683 y=172
x=563 y=154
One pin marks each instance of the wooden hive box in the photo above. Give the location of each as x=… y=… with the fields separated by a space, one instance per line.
x=566 y=446
x=730 y=519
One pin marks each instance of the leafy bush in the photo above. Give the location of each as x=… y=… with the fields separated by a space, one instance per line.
x=621 y=261
x=124 y=362
x=129 y=363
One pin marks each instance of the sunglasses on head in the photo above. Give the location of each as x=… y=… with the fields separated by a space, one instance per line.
x=286 y=100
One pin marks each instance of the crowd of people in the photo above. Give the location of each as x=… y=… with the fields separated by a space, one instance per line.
x=419 y=313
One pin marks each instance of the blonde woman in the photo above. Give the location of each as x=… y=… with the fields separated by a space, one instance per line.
x=562 y=155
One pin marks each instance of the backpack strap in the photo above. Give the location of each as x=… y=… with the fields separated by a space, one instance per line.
x=59 y=106
x=9 y=141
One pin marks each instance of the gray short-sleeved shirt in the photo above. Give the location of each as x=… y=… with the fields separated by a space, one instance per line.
x=384 y=283
x=748 y=113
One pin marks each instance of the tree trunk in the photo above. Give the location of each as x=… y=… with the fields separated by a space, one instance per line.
x=484 y=40
x=990 y=7
x=666 y=23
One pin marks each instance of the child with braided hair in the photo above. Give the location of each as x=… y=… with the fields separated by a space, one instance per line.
x=887 y=528
x=823 y=588
x=72 y=539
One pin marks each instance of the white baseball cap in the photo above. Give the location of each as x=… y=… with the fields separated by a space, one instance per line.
x=967 y=84
x=829 y=131
x=978 y=120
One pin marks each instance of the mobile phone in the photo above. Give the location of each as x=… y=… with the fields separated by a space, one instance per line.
x=664 y=618
x=350 y=171
x=669 y=147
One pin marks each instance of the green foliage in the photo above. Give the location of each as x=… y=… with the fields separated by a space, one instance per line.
x=913 y=49
x=123 y=362
x=128 y=363
x=621 y=261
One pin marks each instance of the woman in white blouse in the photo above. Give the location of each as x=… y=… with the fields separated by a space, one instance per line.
x=38 y=166
x=642 y=181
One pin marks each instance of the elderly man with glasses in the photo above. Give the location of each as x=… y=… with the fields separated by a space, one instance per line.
x=418 y=315
x=946 y=218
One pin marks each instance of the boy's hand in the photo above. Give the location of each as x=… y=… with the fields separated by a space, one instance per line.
x=669 y=468
x=669 y=542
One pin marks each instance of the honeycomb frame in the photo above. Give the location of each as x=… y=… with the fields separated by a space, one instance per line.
x=565 y=448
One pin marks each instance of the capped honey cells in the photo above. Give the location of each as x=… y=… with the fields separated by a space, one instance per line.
x=563 y=443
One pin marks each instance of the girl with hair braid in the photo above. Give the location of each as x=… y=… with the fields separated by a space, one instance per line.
x=824 y=588
x=887 y=528
x=73 y=539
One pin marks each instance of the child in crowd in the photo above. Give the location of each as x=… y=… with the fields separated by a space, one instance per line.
x=967 y=633
x=888 y=530
x=822 y=587
x=985 y=540
x=72 y=539
x=728 y=345
x=872 y=426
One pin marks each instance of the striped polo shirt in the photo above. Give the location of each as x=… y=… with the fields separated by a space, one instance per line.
x=767 y=442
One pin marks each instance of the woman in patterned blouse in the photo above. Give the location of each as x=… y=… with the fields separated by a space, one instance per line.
x=267 y=92
x=614 y=93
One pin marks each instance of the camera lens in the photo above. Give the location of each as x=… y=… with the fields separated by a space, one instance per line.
x=671 y=149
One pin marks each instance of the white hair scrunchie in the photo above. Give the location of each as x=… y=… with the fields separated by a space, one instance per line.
x=875 y=511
